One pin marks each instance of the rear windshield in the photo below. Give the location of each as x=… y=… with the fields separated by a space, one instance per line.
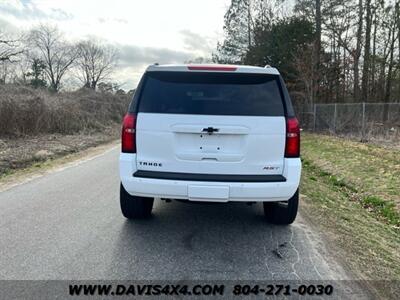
x=211 y=94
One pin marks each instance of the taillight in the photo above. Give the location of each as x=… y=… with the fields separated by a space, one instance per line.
x=292 y=148
x=128 y=137
x=212 y=68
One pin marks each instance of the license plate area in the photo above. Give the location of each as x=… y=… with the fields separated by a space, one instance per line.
x=208 y=193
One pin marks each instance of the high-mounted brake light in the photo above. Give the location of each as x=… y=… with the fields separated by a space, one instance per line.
x=212 y=68
x=128 y=136
x=292 y=148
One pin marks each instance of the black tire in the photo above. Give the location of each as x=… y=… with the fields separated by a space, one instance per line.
x=282 y=213
x=134 y=207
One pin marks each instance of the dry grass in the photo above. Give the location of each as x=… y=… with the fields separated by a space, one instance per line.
x=36 y=125
x=26 y=111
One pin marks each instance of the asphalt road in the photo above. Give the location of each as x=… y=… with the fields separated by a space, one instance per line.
x=68 y=225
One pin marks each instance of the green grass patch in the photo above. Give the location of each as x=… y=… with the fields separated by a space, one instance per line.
x=382 y=208
x=368 y=168
x=365 y=172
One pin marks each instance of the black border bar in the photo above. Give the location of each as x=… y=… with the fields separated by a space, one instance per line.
x=208 y=177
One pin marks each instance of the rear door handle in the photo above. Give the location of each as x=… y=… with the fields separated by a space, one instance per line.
x=223 y=129
x=210 y=130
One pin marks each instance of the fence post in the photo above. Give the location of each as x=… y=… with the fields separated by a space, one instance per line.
x=363 y=121
x=315 y=116
x=334 y=118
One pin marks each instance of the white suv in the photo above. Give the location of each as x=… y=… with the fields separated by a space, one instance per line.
x=211 y=133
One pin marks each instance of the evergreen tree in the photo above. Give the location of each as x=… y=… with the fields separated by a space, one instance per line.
x=37 y=74
x=238 y=31
x=279 y=45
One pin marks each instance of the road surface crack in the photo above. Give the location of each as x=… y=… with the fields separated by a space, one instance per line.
x=297 y=253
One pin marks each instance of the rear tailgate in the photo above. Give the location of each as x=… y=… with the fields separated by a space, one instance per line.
x=211 y=123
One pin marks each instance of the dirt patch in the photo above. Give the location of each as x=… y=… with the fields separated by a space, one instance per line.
x=23 y=152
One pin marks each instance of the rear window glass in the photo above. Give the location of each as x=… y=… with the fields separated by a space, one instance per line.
x=211 y=94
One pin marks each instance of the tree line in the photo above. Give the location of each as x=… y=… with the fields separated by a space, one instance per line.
x=327 y=50
x=43 y=58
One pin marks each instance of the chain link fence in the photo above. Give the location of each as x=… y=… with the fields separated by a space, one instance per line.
x=361 y=120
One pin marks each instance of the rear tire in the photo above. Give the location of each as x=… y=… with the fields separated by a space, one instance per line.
x=282 y=213
x=134 y=207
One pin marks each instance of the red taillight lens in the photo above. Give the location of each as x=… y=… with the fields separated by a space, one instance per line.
x=128 y=137
x=292 y=148
x=212 y=68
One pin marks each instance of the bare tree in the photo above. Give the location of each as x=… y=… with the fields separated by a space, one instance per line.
x=304 y=64
x=10 y=48
x=57 y=55
x=318 y=33
x=367 y=49
x=95 y=63
x=357 y=53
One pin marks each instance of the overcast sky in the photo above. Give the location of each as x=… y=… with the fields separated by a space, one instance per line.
x=145 y=31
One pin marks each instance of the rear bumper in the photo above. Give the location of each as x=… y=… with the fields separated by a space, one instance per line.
x=210 y=191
